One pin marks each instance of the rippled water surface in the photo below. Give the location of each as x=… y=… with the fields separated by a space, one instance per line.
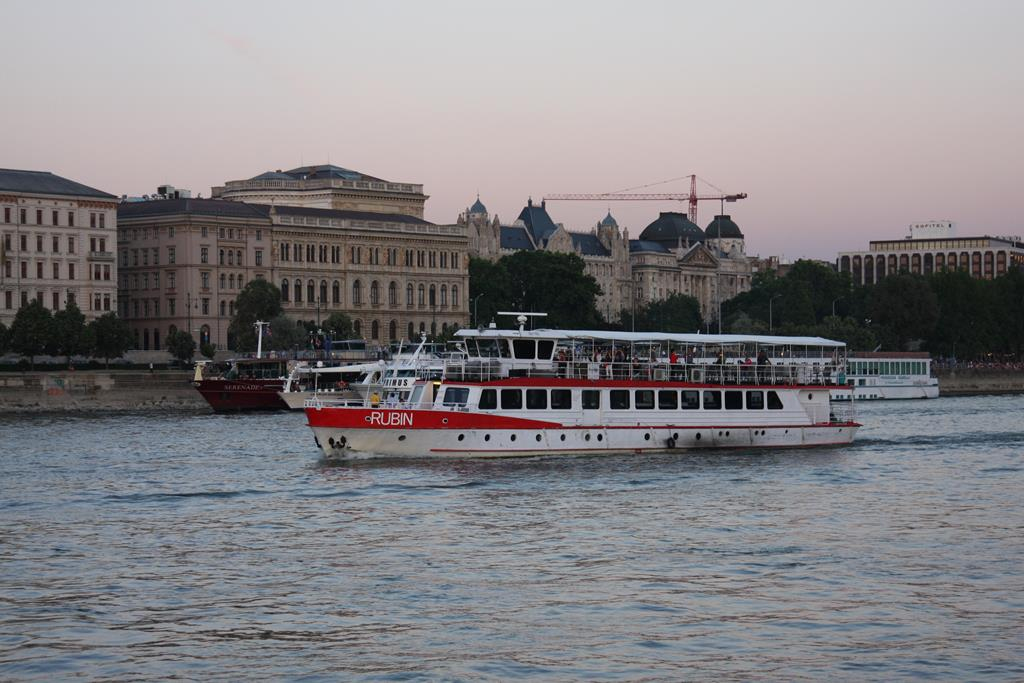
x=159 y=545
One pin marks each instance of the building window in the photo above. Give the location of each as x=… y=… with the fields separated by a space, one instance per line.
x=259 y=235
x=223 y=280
x=393 y=294
x=336 y=292
x=310 y=292
x=284 y=290
x=408 y=295
x=71 y=271
x=170 y=254
x=39 y=270
x=56 y=301
x=56 y=271
x=374 y=294
x=206 y=306
x=39 y=242
x=223 y=308
x=455 y=296
x=298 y=291
x=444 y=294
x=39 y=216
x=433 y=295
x=205 y=279
x=171 y=278
x=221 y=256
x=203 y=232
x=103 y=220
x=22 y=216
x=422 y=296
x=56 y=244
x=323 y=291
x=259 y=257
x=357 y=296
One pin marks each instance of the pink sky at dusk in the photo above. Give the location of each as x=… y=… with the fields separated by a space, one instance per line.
x=843 y=122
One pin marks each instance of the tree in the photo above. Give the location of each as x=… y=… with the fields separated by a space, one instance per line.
x=675 y=313
x=902 y=308
x=32 y=331
x=71 y=336
x=258 y=300
x=284 y=334
x=181 y=345
x=489 y=290
x=556 y=284
x=337 y=326
x=5 y=339
x=111 y=337
x=207 y=349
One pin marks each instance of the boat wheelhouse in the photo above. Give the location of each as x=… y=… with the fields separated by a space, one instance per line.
x=889 y=375
x=537 y=392
x=248 y=384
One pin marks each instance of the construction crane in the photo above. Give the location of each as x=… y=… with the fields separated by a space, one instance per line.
x=629 y=195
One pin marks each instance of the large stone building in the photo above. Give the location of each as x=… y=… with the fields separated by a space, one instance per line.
x=58 y=244
x=673 y=255
x=326 y=187
x=185 y=261
x=932 y=246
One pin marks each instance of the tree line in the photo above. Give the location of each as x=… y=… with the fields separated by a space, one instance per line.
x=36 y=331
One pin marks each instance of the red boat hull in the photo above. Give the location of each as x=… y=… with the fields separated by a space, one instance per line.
x=237 y=395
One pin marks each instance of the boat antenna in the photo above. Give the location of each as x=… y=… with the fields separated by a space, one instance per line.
x=522 y=318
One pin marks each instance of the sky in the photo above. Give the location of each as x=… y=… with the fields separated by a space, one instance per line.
x=842 y=121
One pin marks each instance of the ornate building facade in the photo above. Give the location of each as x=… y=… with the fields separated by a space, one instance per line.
x=184 y=262
x=57 y=247
x=673 y=255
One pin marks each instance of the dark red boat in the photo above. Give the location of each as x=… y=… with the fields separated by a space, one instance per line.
x=249 y=384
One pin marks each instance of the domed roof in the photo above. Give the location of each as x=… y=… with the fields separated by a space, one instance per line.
x=609 y=222
x=671 y=227
x=723 y=226
x=478 y=206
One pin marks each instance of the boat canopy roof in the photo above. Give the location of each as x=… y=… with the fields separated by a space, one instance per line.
x=652 y=337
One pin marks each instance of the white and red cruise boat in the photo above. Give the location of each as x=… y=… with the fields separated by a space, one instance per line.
x=511 y=393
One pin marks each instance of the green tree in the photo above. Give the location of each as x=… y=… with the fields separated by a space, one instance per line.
x=902 y=308
x=72 y=337
x=675 y=313
x=111 y=337
x=337 y=326
x=1008 y=308
x=181 y=345
x=5 y=339
x=285 y=334
x=556 y=284
x=208 y=350
x=258 y=300
x=966 y=325
x=32 y=331
x=489 y=290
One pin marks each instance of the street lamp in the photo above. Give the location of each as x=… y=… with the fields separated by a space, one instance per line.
x=771 y=326
x=476 y=317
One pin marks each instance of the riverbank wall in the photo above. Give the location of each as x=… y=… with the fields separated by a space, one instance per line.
x=968 y=381
x=98 y=390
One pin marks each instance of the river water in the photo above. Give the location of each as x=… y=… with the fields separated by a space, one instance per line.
x=156 y=545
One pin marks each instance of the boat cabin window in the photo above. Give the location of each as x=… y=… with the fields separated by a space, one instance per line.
x=591 y=399
x=488 y=399
x=491 y=348
x=619 y=399
x=690 y=400
x=667 y=400
x=537 y=399
x=511 y=399
x=545 y=349
x=456 y=396
x=712 y=400
x=734 y=400
x=561 y=399
x=755 y=400
x=644 y=399
x=524 y=348
x=774 y=402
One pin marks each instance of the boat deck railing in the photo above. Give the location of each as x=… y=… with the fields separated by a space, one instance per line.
x=782 y=373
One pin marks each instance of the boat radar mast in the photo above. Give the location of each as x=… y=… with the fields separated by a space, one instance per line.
x=521 y=318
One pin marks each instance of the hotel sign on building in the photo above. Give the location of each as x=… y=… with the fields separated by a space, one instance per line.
x=57 y=241
x=930 y=247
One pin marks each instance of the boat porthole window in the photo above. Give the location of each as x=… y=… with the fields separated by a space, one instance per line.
x=444 y=420
x=331 y=441
x=401 y=437
x=487 y=437
x=675 y=436
x=538 y=437
x=698 y=436
x=600 y=437
x=647 y=437
x=727 y=433
x=719 y=433
x=586 y=437
x=562 y=437
x=787 y=431
x=462 y=437
x=513 y=437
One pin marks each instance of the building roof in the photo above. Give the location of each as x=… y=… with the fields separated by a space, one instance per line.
x=515 y=237
x=198 y=207
x=537 y=221
x=314 y=173
x=478 y=206
x=609 y=222
x=723 y=226
x=588 y=244
x=229 y=209
x=646 y=245
x=670 y=227
x=44 y=182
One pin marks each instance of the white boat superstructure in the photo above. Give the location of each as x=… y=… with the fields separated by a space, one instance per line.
x=889 y=375
x=533 y=392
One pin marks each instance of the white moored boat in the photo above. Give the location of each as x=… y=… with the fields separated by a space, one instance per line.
x=889 y=375
x=537 y=392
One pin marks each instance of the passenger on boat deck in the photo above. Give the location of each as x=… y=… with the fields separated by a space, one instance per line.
x=762 y=358
x=392 y=400
x=673 y=357
x=374 y=399
x=747 y=361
